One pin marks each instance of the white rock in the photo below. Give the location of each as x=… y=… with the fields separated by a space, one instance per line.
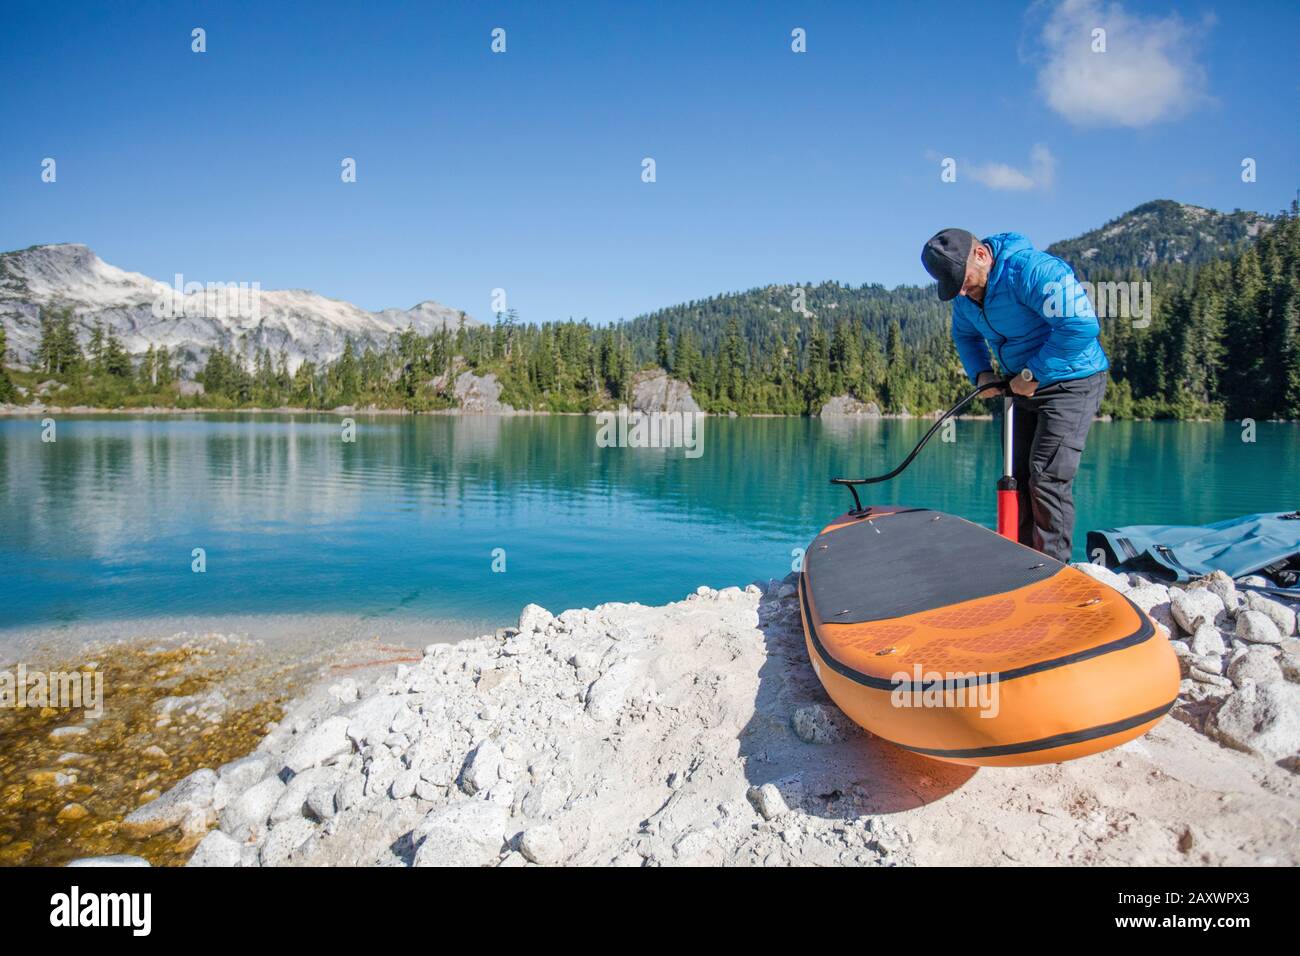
x=241 y=774
x=370 y=718
x=404 y=784
x=1219 y=584
x=1262 y=719
x=1256 y=627
x=1213 y=664
x=293 y=799
x=1103 y=574
x=285 y=839
x=59 y=733
x=821 y=724
x=322 y=802
x=542 y=845
x=210 y=707
x=1207 y=641
x=253 y=807
x=345 y=690
x=216 y=849
x=1210 y=677
x=323 y=743
x=1154 y=600
x=484 y=766
x=350 y=792
x=1190 y=609
x=469 y=833
x=767 y=800
x=1276 y=611
x=1258 y=664
x=189 y=802
x=534 y=618
x=117 y=859
x=610 y=691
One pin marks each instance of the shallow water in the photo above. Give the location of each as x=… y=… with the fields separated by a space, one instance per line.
x=403 y=524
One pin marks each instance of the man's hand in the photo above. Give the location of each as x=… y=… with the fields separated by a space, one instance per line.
x=983 y=379
x=1023 y=386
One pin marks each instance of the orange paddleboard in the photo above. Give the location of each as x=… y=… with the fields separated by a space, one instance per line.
x=946 y=639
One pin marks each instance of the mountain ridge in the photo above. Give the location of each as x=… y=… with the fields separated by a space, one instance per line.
x=142 y=311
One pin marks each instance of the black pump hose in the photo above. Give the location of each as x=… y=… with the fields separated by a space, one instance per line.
x=1000 y=384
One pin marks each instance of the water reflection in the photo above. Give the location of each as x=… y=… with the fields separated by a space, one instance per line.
x=102 y=522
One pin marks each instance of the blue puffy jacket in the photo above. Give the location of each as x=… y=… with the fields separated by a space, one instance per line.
x=1035 y=315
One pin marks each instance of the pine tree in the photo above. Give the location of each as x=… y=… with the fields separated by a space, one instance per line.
x=662 y=355
x=7 y=391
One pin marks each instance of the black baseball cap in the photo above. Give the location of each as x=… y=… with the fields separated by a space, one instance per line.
x=944 y=256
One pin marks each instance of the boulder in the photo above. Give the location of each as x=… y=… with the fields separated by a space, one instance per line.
x=216 y=849
x=767 y=800
x=369 y=720
x=654 y=391
x=1262 y=719
x=1191 y=609
x=1207 y=641
x=1259 y=664
x=1154 y=599
x=480 y=394
x=253 y=807
x=1256 y=627
x=1222 y=586
x=321 y=744
x=484 y=766
x=846 y=406
x=534 y=618
x=541 y=845
x=293 y=799
x=1275 y=611
x=469 y=833
x=285 y=839
x=189 y=805
x=241 y=774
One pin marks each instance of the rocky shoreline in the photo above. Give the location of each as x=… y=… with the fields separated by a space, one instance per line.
x=697 y=733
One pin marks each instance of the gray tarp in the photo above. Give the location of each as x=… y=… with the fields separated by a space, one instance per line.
x=1239 y=546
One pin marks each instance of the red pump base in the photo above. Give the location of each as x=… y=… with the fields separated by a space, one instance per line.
x=1008 y=510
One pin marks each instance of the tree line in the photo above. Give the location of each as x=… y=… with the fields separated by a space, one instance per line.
x=1223 y=340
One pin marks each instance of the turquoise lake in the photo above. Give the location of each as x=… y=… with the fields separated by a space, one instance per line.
x=101 y=523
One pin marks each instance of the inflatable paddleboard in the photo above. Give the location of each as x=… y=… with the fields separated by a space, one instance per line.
x=946 y=639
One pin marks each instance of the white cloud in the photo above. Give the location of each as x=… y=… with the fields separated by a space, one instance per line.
x=1040 y=175
x=1147 y=73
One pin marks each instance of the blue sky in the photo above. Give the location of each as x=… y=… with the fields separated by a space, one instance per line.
x=522 y=170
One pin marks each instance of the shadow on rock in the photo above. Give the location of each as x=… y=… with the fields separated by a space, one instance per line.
x=815 y=758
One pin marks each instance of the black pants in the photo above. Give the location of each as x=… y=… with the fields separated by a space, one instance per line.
x=1050 y=428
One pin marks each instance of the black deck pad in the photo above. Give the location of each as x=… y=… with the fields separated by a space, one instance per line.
x=913 y=561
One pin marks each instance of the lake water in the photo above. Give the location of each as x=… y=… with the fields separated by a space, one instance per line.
x=403 y=523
